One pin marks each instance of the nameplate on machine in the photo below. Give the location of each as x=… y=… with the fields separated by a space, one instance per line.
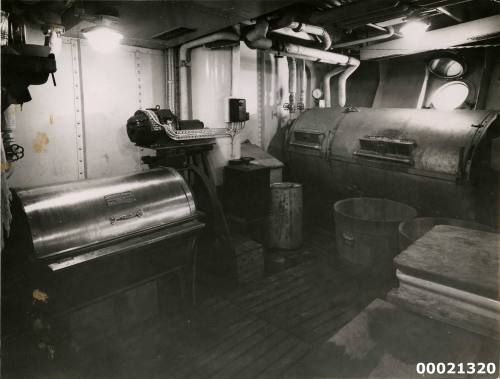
x=119 y=198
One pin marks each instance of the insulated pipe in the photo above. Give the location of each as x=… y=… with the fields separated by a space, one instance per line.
x=184 y=62
x=326 y=84
x=256 y=38
x=258 y=31
x=389 y=34
x=292 y=81
x=302 y=82
x=303 y=52
x=315 y=30
x=308 y=53
x=353 y=66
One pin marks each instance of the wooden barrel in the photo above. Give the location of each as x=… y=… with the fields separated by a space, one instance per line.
x=285 y=224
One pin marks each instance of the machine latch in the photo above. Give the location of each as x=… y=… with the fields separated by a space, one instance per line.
x=139 y=213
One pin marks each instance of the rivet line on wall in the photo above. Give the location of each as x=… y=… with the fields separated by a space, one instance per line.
x=78 y=108
x=138 y=70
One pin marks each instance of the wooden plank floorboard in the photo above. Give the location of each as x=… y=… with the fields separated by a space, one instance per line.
x=278 y=300
x=275 y=353
x=258 y=330
x=273 y=293
x=237 y=358
x=280 y=282
x=216 y=353
x=280 y=366
x=246 y=363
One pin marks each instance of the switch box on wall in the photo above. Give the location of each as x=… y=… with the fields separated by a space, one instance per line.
x=236 y=110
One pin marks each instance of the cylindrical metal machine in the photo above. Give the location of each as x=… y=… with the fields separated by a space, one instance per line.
x=78 y=243
x=439 y=162
x=66 y=218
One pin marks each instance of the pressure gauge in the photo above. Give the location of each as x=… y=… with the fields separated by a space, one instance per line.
x=317 y=93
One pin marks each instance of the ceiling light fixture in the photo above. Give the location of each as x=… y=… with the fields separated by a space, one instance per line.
x=414 y=28
x=102 y=38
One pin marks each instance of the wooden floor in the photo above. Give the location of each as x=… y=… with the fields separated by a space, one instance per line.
x=257 y=331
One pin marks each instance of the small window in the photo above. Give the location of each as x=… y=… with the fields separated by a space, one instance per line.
x=450 y=95
x=447 y=67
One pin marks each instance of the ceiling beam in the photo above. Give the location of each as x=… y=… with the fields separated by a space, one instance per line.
x=467 y=32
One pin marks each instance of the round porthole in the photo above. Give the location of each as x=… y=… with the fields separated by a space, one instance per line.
x=447 y=67
x=450 y=95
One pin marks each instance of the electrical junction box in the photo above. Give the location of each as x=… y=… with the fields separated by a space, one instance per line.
x=236 y=110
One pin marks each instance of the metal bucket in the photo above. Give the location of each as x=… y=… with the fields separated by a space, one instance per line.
x=285 y=220
x=412 y=230
x=367 y=231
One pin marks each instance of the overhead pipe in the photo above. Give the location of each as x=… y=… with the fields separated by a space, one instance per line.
x=314 y=30
x=306 y=53
x=257 y=36
x=184 y=63
x=390 y=32
x=303 y=52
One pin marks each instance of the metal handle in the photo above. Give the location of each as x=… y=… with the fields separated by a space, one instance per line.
x=348 y=239
x=392 y=158
x=306 y=145
x=137 y=214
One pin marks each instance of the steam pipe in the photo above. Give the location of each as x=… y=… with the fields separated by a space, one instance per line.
x=303 y=52
x=389 y=34
x=326 y=84
x=315 y=30
x=342 y=82
x=184 y=63
x=256 y=38
x=292 y=82
x=303 y=82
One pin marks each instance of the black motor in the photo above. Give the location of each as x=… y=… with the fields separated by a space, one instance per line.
x=143 y=132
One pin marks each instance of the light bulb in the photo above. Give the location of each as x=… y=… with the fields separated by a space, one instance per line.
x=55 y=42
x=102 y=38
x=414 y=29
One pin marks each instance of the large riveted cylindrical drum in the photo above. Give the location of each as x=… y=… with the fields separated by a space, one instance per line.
x=367 y=231
x=285 y=222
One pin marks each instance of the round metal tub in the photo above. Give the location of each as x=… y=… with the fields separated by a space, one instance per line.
x=285 y=224
x=367 y=231
x=412 y=230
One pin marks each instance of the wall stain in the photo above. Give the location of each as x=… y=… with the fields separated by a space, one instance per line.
x=40 y=142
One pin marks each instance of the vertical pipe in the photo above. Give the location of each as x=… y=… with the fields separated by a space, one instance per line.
x=484 y=84
x=292 y=80
x=235 y=70
x=423 y=90
x=184 y=63
x=342 y=83
x=326 y=85
x=302 y=83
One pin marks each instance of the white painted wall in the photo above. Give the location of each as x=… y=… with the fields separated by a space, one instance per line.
x=114 y=86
